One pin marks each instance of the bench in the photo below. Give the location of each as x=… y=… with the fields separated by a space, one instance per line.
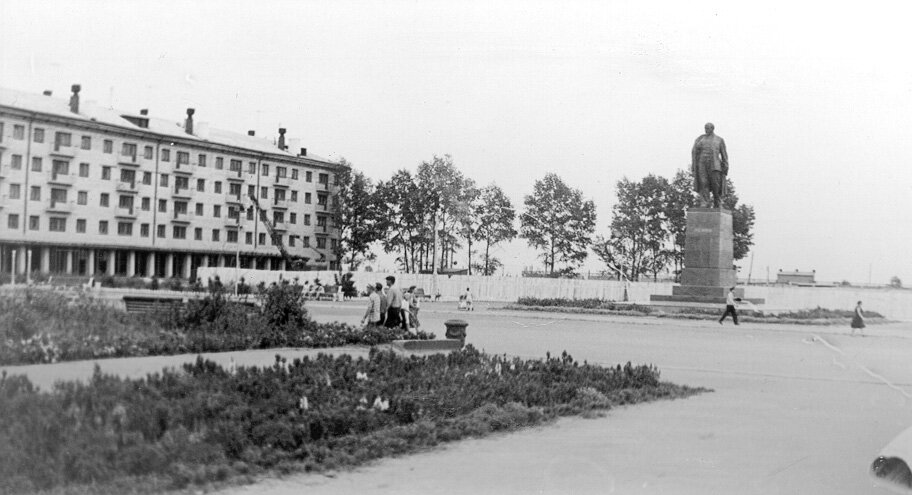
x=421 y=295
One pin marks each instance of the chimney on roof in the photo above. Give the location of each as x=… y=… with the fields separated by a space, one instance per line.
x=251 y=133
x=144 y=111
x=48 y=92
x=188 y=124
x=303 y=152
x=281 y=138
x=74 y=100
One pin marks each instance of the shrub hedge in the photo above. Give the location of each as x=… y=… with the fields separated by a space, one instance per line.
x=46 y=327
x=206 y=423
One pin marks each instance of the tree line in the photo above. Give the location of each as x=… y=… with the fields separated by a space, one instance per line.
x=406 y=214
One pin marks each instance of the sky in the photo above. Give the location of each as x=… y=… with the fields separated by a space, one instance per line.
x=813 y=103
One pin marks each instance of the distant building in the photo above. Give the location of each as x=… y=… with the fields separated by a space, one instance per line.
x=88 y=189
x=796 y=277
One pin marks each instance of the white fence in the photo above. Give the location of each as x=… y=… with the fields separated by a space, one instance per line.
x=892 y=303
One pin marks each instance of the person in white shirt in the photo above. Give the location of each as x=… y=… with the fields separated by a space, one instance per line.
x=468 y=299
x=394 y=301
x=372 y=315
x=730 y=301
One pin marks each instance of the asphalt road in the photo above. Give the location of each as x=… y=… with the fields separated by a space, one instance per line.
x=795 y=409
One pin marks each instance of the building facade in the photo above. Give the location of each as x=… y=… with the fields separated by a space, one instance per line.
x=88 y=190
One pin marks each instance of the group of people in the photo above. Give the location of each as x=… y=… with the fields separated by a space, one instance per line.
x=390 y=307
x=858 y=317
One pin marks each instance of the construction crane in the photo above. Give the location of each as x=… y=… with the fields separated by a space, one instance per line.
x=293 y=263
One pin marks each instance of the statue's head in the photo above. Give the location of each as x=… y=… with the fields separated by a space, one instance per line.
x=709 y=128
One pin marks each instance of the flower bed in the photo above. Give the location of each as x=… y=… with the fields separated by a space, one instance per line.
x=206 y=423
x=816 y=316
x=46 y=327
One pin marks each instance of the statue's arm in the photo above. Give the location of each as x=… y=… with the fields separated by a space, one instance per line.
x=693 y=156
x=724 y=154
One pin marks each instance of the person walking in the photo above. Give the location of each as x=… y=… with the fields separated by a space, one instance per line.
x=730 y=301
x=372 y=315
x=468 y=299
x=384 y=302
x=858 y=320
x=413 y=307
x=394 y=300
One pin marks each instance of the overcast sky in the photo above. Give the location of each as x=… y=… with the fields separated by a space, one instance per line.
x=814 y=103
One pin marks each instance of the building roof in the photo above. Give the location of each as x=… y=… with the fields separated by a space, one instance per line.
x=92 y=112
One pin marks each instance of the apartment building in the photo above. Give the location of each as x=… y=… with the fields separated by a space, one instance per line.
x=90 y=190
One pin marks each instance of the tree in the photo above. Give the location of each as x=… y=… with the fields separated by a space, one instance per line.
x=896 y=282
x=558 y=221
x=743 y=218
x=639 y=229
x=401 y=217
x=491 y=222
x=446 y=195
x=679 y=197
x=355 y=215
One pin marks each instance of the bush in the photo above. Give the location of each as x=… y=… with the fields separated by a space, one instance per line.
x=205 y=423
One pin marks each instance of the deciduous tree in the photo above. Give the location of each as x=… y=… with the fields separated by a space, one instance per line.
x=558 y=221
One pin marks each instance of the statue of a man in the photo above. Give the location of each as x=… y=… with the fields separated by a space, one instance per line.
x=709 y=167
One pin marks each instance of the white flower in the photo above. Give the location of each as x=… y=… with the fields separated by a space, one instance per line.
x=361 y=376
x=497 y=369
x=303 y=404
x=232 y=366
x=380 y=404
x=512 y=366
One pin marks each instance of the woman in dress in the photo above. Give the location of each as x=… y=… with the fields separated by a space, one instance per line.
x=858 y=319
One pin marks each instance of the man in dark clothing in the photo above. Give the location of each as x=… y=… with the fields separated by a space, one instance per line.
x=730 y=300
x=394 y=300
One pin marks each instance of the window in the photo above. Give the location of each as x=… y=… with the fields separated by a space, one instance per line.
x=197 y=234
x=80 y=226
x=265 y=169
x=163 y=180
x=181 y=183
x=86 y=143
x=166 y=155
x=12 y=221
x=16 y=162
x=321 y=243
x=147 y=178
x=35 y=194
x=248 y=237
x=219 y=163
x=160 y=231
x=163 y=205
x=128 y=149
x=217 y=211
x=234 y=166
x=125 y=201
x=38 y=135
x=306 y=219
x=278 y=217
x=106 y=173
x=251 y=190
x=183 y=158
x=333 y=244
x=305 y=240
x=234 y=212
x=18 y=131
x=233 y=235
x=147 y=152
x=180 y=207
x=218 y=188
x=201 y=185
x=308 y=176
x=262 y=239
x=102 y=226
x=251 y=168
x=292 y=218
x=146 y=203
x=199 y=209
x=291 y=240
x=179 y=232
x=124 y=228
x=34 y=222
x=335 y=201
x=83 y=169
x=36 y=164
x=279 y=195
x=108 y=146
x=250 y=213
x=104 y=199
x=264 y=192
x=63 y=139
x=82 y=198
x=15 y=191
x=201 y=160
x=144 y=230
x=58 y=196
x=127 y=175
x=307 y=198
x=324 y=179
x=216 y=233
x=294 y=174
x=294 y=196
x=321 y=221
x=321 y=199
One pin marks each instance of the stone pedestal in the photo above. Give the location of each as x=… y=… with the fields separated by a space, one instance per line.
x=708 y=262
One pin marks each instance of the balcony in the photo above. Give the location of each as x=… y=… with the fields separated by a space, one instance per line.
x=61 y=180
x=59 y=207
x=127 y=160
x=62 y=151
x=127 y=187
x=182 y=169
x=235 y=176
x=282 y=181
x=182 y=192
x=233 y=223
x=233 y=198
x=281 y=226
x=127 y=212
x=182 y=218
x=281 y=204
